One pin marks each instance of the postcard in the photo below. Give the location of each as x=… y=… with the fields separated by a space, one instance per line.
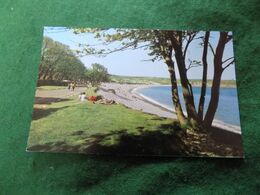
x=136 y=92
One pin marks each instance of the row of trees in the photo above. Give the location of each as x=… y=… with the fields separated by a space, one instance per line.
x=59 y=63
x=172 y=47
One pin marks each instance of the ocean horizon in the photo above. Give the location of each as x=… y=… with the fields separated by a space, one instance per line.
x=227 y=111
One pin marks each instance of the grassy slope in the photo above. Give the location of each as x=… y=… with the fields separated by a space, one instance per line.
x=73 y=122
x=163 y=81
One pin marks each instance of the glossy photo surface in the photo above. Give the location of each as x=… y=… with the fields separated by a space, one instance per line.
x=136 y=92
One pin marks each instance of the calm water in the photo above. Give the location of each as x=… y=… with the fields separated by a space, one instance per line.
x=227 y=111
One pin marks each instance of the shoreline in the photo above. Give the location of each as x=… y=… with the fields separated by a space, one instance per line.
x=128 y=95
x=134 y=91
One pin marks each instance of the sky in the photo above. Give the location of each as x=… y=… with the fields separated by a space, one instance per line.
x=134 y=62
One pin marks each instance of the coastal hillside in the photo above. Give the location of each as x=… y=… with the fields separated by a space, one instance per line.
x=162 y=81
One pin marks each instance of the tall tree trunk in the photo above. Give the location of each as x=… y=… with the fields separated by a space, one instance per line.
x=46 y=74
x=40 y=72
x=213 y=104
x=204 y=77
x=177 y=44
x=51 y=73
x=175 y=93
x=186 y=87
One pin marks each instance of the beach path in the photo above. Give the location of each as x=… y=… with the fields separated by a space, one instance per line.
x=48 y=96
x=124 y=94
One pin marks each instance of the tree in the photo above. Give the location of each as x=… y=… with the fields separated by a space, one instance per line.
x=204 y=77
x=97 y=74
x=224 y=38
x=58 y=62
x=172 y=47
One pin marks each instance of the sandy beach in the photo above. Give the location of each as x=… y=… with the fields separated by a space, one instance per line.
x=127 y=94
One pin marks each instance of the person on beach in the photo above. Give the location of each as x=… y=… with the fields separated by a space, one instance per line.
x=73 y=86
x=82 y=97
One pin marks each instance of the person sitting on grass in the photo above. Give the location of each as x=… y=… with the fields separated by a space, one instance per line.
x=82 y=96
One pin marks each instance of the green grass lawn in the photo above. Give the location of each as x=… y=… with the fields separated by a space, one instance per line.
x=49 y=87
x=78 y=126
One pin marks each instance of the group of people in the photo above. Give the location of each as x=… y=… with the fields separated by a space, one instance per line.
x=72 y=86
x=95 y=99
x=83 y=97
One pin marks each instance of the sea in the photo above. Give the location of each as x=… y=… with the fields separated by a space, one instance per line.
x=227 y=111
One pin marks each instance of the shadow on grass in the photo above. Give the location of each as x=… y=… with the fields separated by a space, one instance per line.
x=160 y=142
x=39 y=113
x=49 y=100
x=93 y=170
x=120 y=142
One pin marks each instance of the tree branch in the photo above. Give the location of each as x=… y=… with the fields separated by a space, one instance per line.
x=191 y=37
x=229 y=37
x=227 y=59
x=211 y=48
x=124 y=48
x=193 y=66
x=228 y=65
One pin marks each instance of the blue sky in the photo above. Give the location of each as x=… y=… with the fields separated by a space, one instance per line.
x=132 y=62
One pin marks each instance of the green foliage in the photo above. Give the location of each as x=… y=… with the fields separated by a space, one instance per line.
x=58 y=62
x=96 y=74
x=154 y=40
